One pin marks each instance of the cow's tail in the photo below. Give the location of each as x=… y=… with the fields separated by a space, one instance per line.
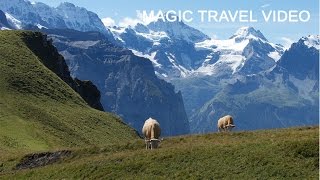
x=153 y=129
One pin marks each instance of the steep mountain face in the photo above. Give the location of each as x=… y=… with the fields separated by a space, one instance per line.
x=286 y=96
x=128 y=84
x=4 y=22
x=178 y=30
x=66 y=15
x=50 y=57
x=301 y=59
x=22 y=10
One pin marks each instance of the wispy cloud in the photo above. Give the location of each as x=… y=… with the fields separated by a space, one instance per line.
x=265 y=5
x=214 y=36
x=286 y=42
x=140 y=18
x=108 y=22
x=127 y=21
x=146 y=19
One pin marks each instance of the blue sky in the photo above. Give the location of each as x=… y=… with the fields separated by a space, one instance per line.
x=283 y=33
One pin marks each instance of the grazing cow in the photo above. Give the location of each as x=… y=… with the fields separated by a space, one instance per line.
x=225 y=123
x=151 y=131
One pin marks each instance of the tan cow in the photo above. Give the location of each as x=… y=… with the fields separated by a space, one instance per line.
x=225 y=123
x=151 y=131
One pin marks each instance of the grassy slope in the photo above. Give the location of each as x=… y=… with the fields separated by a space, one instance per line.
x=276 y=154
x=39 y=112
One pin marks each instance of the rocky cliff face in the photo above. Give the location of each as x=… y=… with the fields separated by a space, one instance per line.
x=50 y=57
x=3 y=21
x=302 y=59
x=135 y=93
x=128 y=84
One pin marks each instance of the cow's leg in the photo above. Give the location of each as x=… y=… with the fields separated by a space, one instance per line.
x=154 y=143
x=151 y=144
x=147 y=144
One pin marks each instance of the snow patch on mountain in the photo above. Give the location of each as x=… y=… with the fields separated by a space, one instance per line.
x=275 y=55
x=83 y=44
x=183 y=71
x=229 y=44
x=151 y=57
x=247 y=33
x=230 y=54
x=178 y=30
x=155 y=37
x=40 y=26
x=13 y=21
x=312 y=41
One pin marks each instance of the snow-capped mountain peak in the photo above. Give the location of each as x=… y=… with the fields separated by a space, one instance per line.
x=178 y=50
x=248 y=33
x=66 y=15
x=178 y=30
x=66 y=5
x=19 y=9
x=141 y=28
x=22 y=4
x=312 y=41
x=246 y=52
x=80 y=18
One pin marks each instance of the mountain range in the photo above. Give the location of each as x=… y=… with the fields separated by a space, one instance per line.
x=286 y=95
x=178 y=50
x=258 y=82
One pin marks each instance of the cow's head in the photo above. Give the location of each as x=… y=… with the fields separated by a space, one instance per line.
x=154 y=143
x=230 y=126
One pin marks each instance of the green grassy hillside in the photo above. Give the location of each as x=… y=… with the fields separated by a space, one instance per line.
x=39 y=112
x=271 y=154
